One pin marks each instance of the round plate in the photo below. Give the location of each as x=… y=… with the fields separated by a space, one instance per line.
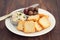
x=13 y=29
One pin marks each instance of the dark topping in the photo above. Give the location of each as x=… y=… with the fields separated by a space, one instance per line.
x=36 y=9
x=26 y=11
x=35 y=12
x=31 y=11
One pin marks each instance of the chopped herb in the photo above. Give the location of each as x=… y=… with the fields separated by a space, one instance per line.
x=23 y=16
x=18 y=19
x=20 y=14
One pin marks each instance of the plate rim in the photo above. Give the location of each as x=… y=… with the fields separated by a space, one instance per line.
x=32 y=35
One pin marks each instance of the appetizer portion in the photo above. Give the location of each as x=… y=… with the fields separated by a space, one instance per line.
x=30 y=21
x=34 y=24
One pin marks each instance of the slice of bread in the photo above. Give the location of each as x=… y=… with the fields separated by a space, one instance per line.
x=29 y=27
x=43 y=15
x=20 y=25
x=44 y=22
x=38 y=27
x=34 y=17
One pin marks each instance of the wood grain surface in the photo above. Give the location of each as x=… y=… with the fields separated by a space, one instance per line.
x=7 y=6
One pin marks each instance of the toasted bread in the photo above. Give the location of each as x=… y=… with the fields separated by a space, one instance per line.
x=29 y=27
x=20 y=25
x=38 y=27
x=43 y=15
x=44 y=22
x=34 y=17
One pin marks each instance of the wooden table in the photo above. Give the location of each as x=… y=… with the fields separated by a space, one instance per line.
x=7 y=6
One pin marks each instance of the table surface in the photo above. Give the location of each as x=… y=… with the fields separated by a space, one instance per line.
x=7 y=6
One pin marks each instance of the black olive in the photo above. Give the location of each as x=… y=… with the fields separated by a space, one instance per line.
x=35 y=12
x=31 y=9
x=26 y=11
x=36 y=9
x=30 y=13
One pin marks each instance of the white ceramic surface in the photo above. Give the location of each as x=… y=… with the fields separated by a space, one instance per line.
x=13 y=29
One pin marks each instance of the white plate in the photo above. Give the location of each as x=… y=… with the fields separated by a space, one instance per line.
x=13 y=29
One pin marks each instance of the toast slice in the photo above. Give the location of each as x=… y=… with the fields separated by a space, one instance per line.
x=20 y=25
x=44 y=22
x=29 y=27
x=34 y=17
x=38 y=27
x=43 y=15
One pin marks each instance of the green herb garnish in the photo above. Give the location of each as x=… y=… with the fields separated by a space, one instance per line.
x=20 y=14
x=23 y=16
x=18 y=19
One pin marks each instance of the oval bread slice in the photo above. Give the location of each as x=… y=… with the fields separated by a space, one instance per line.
x=44 y=22
x=38 y=27
x=29 y=27
x=20 y=25
x=34 y=17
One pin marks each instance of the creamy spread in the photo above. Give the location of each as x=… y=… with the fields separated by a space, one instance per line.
x=18 y=16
